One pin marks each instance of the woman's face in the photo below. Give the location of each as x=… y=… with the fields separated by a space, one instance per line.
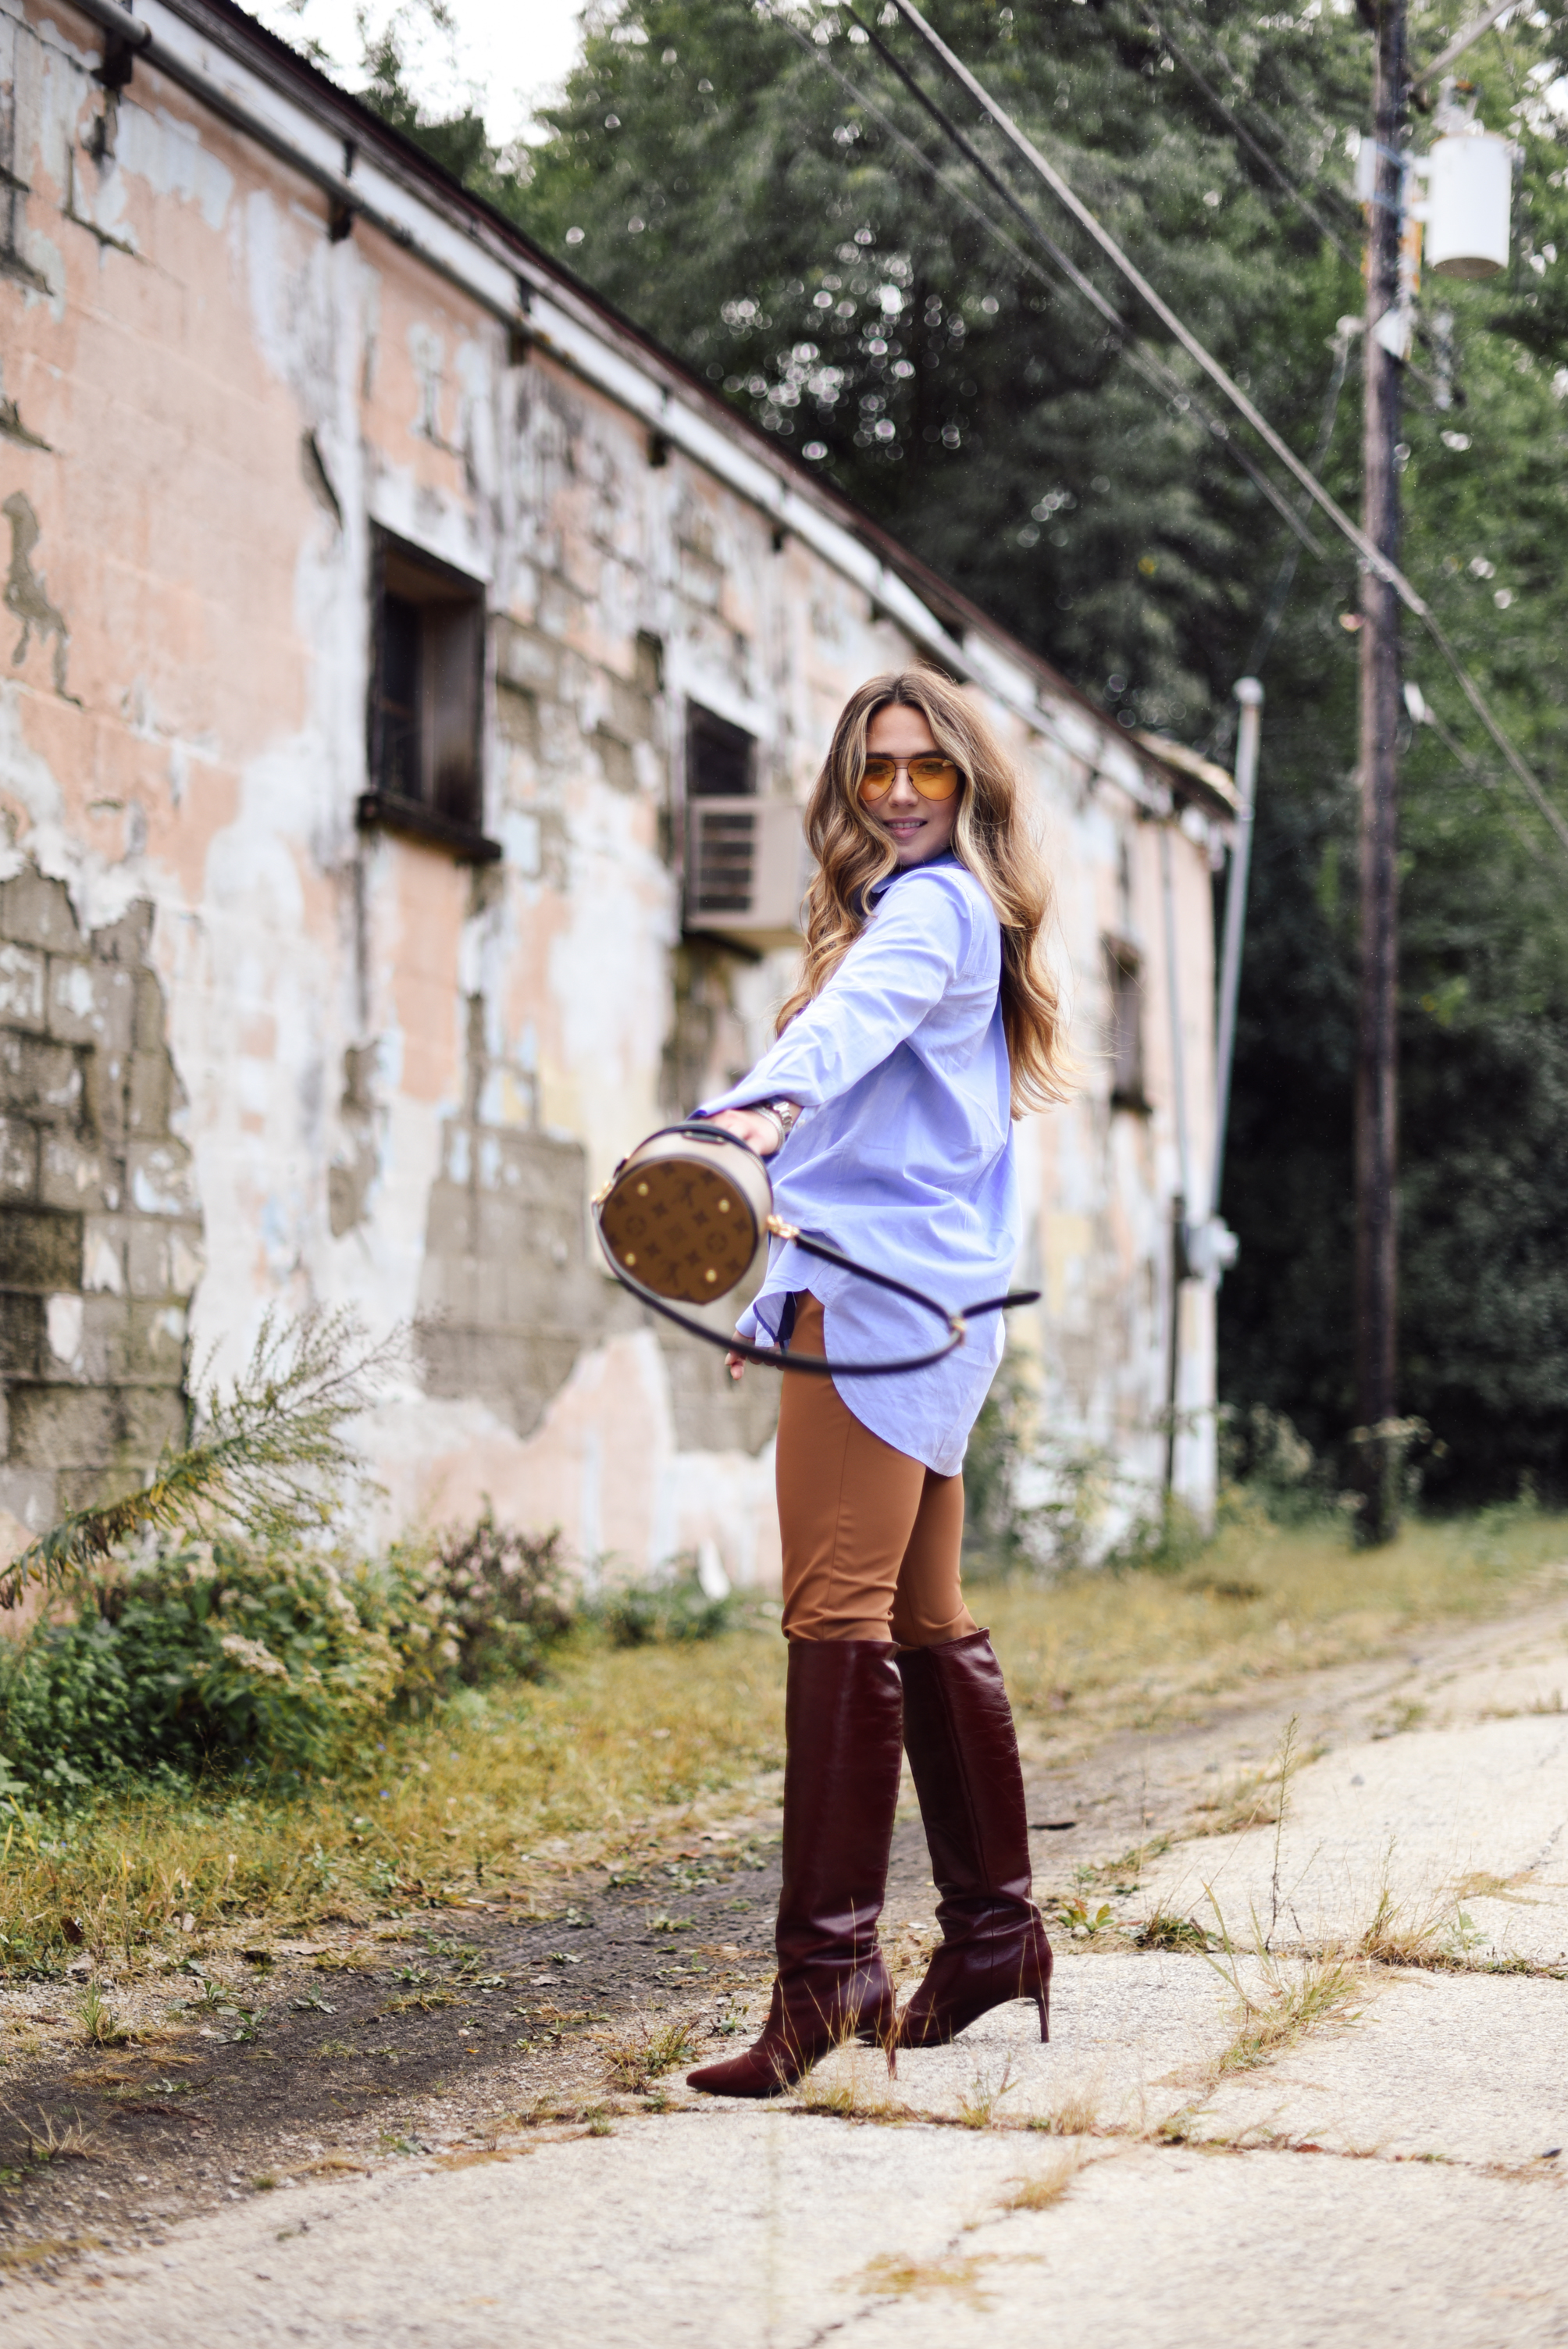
x=919 y=829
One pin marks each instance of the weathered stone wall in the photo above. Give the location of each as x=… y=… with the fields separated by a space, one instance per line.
x=406 y=1074
x=100 y=1239
x=507 y=1298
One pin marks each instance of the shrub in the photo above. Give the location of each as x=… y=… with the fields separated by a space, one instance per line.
x=1262 y=1453
x=667 y=1613
x=1030 y=1502
x=213 y=1653
x=227 y=1653
x=483 y=1605
x=206 y=1652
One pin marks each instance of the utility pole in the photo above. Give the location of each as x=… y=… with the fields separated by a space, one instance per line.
x=1376 y=1070
x=1250 y=694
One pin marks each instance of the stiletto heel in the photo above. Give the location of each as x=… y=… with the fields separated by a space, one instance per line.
x=958 y=1733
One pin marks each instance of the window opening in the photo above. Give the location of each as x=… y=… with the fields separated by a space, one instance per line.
x=1124 y=966
x=426 y=687
x=721 y=758
x=721 y=777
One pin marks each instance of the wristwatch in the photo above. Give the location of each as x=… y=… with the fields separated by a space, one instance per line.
x=783 y=1114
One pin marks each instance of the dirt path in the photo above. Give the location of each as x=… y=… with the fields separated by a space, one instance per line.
x=344 y=2065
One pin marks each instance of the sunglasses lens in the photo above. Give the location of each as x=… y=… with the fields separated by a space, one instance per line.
x=933 y=779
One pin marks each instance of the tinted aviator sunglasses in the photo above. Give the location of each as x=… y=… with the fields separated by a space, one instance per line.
x=932 y=777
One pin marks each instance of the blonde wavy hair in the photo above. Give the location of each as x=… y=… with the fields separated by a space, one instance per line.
x=991 y=837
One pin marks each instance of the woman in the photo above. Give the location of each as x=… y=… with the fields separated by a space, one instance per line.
x=923 y=1025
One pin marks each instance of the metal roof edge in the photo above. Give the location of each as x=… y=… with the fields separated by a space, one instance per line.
x=1193 y=776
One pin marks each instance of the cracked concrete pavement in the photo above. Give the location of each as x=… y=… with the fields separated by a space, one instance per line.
x=1395 y=2174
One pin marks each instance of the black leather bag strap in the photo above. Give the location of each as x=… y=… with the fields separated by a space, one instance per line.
x=777 y=1358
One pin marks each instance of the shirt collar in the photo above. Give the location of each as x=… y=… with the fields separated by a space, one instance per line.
x=875 y=896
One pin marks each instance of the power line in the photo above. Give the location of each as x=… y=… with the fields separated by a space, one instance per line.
x=1273 y=611
x=1284 y=578
x=1085 y=286
x=1461 y=42
x=1275 y=171
x=1302 y=101
x=1144 y=363
x=1292 y=186
x=1381 y=566
x=1377 y=562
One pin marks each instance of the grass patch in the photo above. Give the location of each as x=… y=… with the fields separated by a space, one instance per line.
x=851 y=2096
x=890 y=2276
x=96 y=2021
x=1443 y=1938
x=1045 y=2187
x=1110 y=1650
x=69 y=2142
x=1166 y=1930
x=1482 y=1885
x=1251 y=1800
x=504 y=1787
x=635 y=2062
x=494 y=1788
x=1295 y=1998
x=474 y=2155
x=977 y=2104
x=1076 y=2113
x=44 y=2247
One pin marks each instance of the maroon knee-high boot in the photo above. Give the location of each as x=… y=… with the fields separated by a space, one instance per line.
x=842 y=1729
x=963 y=1754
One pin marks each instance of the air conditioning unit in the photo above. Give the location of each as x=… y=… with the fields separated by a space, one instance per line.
x=746 y=868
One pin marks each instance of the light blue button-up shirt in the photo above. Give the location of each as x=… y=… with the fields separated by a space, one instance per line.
x=903 y=1156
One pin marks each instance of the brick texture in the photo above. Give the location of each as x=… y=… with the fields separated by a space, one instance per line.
x=100 y=1235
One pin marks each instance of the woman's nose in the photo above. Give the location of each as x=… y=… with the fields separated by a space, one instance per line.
x=904 y=795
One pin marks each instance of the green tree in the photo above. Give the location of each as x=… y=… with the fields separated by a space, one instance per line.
x=711 y=172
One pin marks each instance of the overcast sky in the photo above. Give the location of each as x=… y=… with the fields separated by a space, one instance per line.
x=515 y=52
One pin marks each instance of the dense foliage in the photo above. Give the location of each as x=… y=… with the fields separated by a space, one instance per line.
x=210 y=1652
x=234 y=1655
x=758 y=186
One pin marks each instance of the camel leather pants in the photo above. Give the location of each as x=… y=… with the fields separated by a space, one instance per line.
x=871 y=1538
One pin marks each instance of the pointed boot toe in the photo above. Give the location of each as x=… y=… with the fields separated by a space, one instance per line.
x=843 y=1737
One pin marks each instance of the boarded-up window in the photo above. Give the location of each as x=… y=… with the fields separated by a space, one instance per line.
x=1124 y=969
x=427 y=683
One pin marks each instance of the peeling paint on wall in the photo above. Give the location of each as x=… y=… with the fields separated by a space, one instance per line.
x=391 y=1076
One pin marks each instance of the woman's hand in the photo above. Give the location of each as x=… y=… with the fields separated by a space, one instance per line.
x=750 y=1127
x=763 y=1135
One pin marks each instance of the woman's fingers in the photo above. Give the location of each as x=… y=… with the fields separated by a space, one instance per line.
x=734 y=1364
x=761 y=1133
